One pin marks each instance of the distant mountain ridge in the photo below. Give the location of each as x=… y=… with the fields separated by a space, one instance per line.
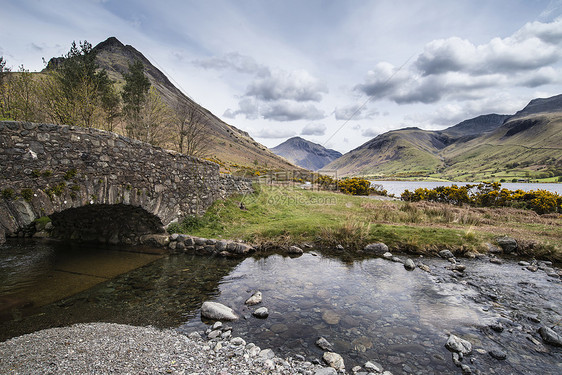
x=305 y=154
x=528 y=143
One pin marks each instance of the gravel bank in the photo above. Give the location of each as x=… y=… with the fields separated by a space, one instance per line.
x=105 y=348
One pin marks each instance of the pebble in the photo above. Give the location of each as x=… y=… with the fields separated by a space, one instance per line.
x=108 y=348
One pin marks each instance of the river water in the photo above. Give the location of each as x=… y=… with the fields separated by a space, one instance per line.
x=369 y=309
x=398 y=187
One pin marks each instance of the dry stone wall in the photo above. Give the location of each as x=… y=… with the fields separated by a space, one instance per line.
x=98 y=185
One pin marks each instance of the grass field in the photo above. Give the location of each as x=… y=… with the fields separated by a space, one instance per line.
x=284 y=216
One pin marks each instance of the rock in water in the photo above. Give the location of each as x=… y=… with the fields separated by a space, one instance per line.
x=409 y=265
x=217 y=311
x=261 y=313
x=334 y=360
x=295 y=250
x=323 y=344
x=446 y=254
x=458 y=345
x=550 y=336
x=254 y=299
x=376 y=248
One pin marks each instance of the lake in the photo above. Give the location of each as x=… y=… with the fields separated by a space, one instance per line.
x=398 y=187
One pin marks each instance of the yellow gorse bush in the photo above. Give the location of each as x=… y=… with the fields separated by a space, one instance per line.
x=489 y=195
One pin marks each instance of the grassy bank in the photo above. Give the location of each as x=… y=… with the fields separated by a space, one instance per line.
x=285 y=216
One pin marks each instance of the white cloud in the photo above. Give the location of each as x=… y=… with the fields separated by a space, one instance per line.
x=291 y=111
x=297 y=85
x=370 y=133
x=314 y=129
x=354 y=112
x=274 y=133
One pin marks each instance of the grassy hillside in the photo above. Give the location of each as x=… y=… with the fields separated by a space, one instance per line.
x=396 y=153
x=527 y=145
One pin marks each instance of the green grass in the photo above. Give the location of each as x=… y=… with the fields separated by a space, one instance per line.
x=279 y=217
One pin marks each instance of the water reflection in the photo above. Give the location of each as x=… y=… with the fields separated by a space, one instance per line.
x=370 y=309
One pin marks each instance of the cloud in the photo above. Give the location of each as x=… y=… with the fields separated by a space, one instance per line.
x=383 y=80
x=314 y=129
x=457 y=69
x=355 y=112
x=296 y=85
x=543 y=76
x=274 y=133
x=371 y=133
x=291 y=111
x=246 y=107
x=235 y=61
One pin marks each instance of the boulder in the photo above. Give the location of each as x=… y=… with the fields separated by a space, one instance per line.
x=378 y=248
x=507 y=244
x=334 y=360
x=254 y=299
x=458 y=345
x=217 y=311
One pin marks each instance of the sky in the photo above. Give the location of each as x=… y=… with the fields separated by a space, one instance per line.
x=335 y=72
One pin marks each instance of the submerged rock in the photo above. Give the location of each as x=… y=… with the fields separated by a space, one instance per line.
x=261 y=313
x=217 y=311
x=323 y=344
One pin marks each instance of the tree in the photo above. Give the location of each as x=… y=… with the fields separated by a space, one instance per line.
x=111 y=105
x=4 y=111
x=155 y=119
x=134 y=96
x=76 y=87
x=190 y=129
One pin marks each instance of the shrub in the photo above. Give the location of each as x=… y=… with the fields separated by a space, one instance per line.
x=355 y=186
x=489 y=195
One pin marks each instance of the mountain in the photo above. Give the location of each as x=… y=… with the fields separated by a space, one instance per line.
x=305 y=154
x=228 y=144
x=527 y=144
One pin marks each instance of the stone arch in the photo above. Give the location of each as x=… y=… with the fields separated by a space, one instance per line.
x=105 y=223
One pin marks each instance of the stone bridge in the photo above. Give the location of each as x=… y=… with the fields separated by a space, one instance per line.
x=99 y=186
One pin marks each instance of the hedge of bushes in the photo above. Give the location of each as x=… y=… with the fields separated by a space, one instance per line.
x=489 y=195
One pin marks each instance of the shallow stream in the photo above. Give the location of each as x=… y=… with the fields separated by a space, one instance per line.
x=369 y=309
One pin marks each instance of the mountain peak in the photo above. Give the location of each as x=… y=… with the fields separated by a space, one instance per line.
x=305 y=153
x=111 y=42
